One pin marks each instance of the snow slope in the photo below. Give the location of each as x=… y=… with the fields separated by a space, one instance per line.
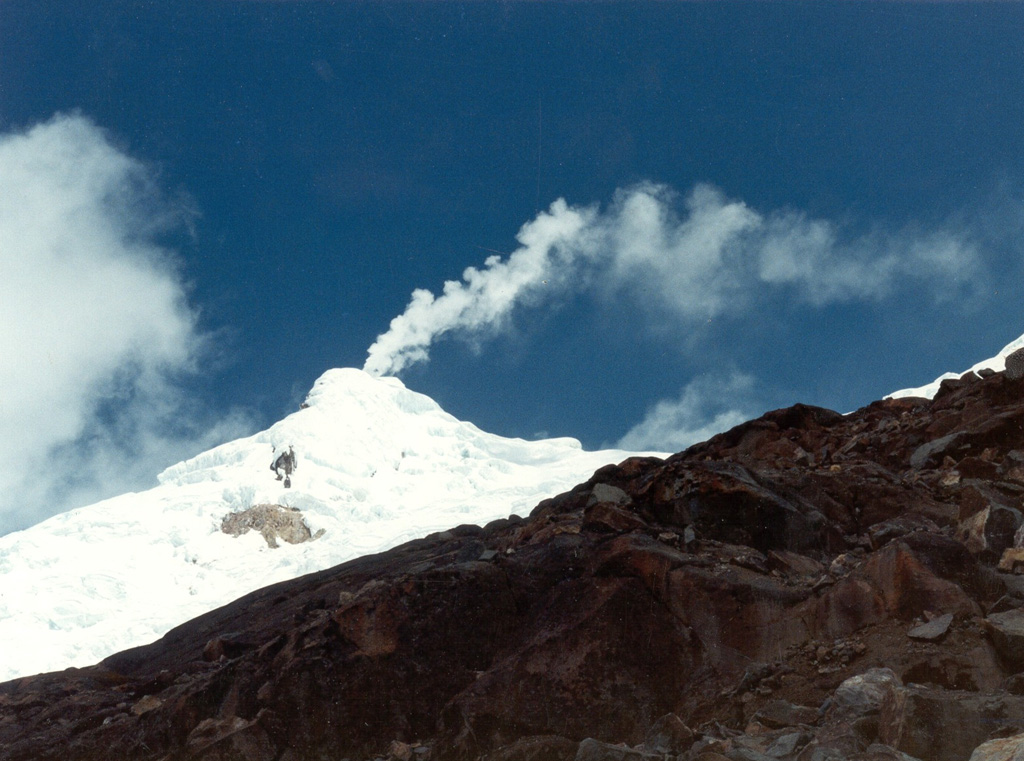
x=378 y=464
x=997 y=363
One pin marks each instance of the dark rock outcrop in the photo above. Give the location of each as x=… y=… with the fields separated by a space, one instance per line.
x=807 y=586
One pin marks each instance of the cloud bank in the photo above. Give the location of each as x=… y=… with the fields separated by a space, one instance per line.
x=705 y=407
x=689 y=260
x=97 y=330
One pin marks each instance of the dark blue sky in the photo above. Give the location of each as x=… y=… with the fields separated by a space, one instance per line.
x=338 y=156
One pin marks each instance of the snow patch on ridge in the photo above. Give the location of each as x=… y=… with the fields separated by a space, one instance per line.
x=997 y=363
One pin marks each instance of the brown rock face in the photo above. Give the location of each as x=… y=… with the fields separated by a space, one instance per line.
x=944 y=725
x=806 y=586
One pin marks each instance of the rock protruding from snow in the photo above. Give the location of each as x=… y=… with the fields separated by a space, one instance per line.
x=273 y=522
x=1015 y=365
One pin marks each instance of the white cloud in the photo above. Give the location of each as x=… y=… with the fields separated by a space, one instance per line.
x=718 y=257
x=96 y=323
x=811 y=257
x=694 y=265
x=705 y=407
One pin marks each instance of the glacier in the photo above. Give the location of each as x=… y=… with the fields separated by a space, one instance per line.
x=378 y=465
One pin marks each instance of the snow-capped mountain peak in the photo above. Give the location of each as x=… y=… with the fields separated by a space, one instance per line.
x=377 y=465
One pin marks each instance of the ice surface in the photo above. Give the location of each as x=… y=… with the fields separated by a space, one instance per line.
x=997 y=363
x=378 y=465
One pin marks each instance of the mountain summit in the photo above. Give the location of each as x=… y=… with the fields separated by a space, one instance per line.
x=378 y=464
x=807 y=586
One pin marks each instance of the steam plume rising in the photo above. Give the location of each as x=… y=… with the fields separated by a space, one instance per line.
x=485 y=297
x=717 y=257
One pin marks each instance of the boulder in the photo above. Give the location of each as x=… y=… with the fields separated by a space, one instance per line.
x=833 y=752
x=932 y=630
x=608 y=494
x=787 y=745
x=879 y=752
x=1012 y=560
x=741 y=753
x=230 y=738
x=595 y=750
x=977 y=467
x=782 y=713
x=1000 y=749
x=610 y=518
x=400 y=751
x=146 y=704
x=945 y=725
x=883 y=532
x=1007 y=632
x=933 y=451
x=793 y=563
x=861 y=695
x=976 y=494
x=1015 y=365
x=990 y=530
x=668 y=735
x=536 y=748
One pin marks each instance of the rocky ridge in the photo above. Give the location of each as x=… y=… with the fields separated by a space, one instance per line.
x=807 y=586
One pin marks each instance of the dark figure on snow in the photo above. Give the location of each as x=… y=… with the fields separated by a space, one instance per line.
x=284 y=460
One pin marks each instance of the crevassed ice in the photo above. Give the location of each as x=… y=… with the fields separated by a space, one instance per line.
x=378 y=464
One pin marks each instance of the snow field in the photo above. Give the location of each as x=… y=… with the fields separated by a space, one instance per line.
x=378 y=465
